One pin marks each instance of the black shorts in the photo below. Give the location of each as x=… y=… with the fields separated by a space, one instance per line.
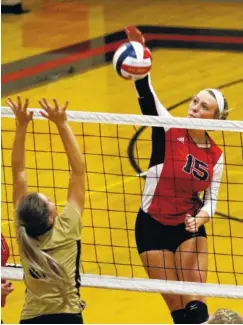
x=55 y=319
x=153 y=235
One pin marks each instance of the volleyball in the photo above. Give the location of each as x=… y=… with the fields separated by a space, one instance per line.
x=132 y=60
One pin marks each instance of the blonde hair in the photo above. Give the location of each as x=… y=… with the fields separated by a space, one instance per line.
x=225 y=316
x=225 y=113
x=32 y=211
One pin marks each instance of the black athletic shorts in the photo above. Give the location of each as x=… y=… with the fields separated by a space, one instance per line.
x=55 y=319
x=153 y=235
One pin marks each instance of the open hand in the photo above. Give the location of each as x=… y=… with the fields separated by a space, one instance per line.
x=19 y=109
x=56 y=113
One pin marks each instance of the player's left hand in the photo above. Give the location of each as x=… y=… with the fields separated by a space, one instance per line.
x=191 y=223
x=194 y=223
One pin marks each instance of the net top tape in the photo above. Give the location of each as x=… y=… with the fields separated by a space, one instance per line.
x=142 y=120
x=145 y=285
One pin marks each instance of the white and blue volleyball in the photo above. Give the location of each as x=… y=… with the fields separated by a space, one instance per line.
x=132 y=60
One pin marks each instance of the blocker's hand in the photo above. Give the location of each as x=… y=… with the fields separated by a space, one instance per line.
x=56 y=113
x=23 y=117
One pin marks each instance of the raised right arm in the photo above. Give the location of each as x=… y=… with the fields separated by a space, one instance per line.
x=148 y=100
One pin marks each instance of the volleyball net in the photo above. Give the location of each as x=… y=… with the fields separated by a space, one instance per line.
x=117 y=150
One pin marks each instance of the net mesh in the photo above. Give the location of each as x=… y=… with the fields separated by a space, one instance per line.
x=117 y=152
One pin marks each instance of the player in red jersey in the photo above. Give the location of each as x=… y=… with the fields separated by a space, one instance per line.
x=6 y=287
x=170 y=232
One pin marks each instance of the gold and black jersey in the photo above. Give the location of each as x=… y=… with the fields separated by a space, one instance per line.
x=62 y=242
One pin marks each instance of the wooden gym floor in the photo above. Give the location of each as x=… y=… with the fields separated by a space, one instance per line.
x=176 y=74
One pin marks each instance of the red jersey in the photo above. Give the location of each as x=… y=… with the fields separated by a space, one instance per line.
x=179 y=169
x=4 y=258
x=4 y=251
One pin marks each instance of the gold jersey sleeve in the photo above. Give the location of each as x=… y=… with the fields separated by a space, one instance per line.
x=62 y=242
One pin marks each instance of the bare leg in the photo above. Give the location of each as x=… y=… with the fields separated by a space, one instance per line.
x=192 y=262
x=161 y=265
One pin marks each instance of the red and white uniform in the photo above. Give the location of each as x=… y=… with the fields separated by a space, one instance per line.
x=179 y=169
x=4 y=258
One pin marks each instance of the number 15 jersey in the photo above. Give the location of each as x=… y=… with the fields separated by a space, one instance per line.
x=179 y=169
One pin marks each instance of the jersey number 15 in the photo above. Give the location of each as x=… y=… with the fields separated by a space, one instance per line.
x=196 y=167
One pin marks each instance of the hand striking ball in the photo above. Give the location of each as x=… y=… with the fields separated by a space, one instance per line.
x=132 y=60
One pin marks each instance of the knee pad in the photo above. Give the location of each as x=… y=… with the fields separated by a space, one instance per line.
x=196 y=312
x=178 y=316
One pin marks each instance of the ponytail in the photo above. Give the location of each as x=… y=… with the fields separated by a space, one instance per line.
x=42 y=265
